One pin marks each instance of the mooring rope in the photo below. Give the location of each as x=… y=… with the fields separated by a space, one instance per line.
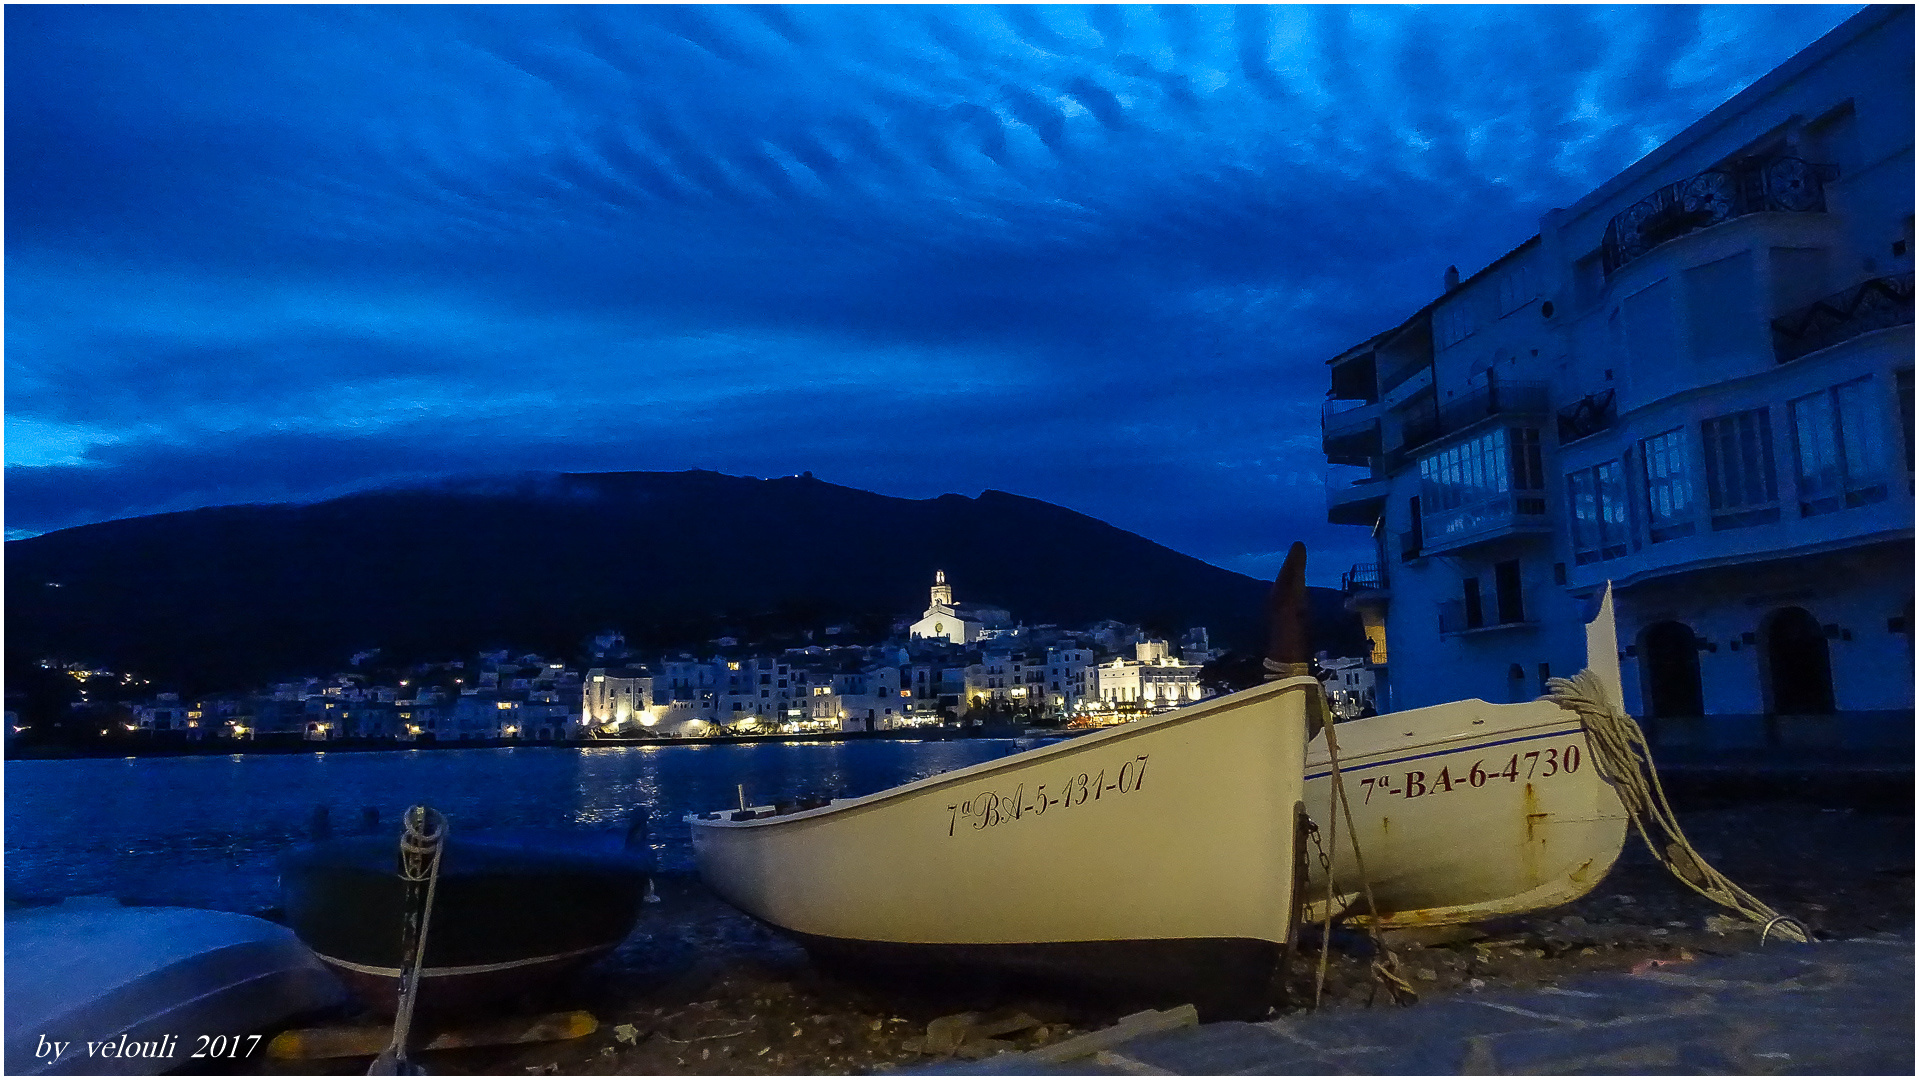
x=1385 y=965
x=1624 y=759
x=422 y=842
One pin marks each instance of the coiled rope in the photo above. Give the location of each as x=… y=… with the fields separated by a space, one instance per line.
x=1624 y=759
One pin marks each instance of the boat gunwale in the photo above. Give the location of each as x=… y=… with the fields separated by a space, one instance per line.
x=1318 y=761
x=1118 y=733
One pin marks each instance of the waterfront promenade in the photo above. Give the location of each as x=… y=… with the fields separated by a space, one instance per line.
x=1837 y=1008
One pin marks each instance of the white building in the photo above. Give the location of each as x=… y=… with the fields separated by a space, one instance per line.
x=957 y=623
x=1350 y=686
x=1153 y=681
x=1696 y=383
x=616 y=701
x=1071 y=679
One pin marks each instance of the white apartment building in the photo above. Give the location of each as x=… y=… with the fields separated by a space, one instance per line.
x=1071 y=679
x=1695 y=383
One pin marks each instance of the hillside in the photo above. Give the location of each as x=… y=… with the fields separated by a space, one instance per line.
x=228 y=596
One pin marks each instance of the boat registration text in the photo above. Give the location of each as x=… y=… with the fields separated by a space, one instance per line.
x=1530 y=765
x=991 y=808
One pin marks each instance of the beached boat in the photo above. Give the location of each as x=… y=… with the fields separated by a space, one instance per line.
x=94 y=988
x=1155 y=860
x=1470 y=810
x=512 y=912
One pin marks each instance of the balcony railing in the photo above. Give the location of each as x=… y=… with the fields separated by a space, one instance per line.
x=1363 y=576
x=1870 y=305
x=1474 y=523
x=1339 y=418
x=1589 y=415
x=1716 y=195
x=1496 y=399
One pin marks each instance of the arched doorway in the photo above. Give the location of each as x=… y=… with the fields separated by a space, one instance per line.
x=1671 y=670
x=1798 y=668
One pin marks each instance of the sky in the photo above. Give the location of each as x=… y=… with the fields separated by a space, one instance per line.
x=1096 y=256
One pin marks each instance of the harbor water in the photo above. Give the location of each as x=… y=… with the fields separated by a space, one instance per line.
x=207 y=831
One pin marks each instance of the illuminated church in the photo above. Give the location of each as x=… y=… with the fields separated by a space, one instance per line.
x=957 y=623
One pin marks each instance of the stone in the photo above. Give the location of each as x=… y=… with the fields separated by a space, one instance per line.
x=945 y=1034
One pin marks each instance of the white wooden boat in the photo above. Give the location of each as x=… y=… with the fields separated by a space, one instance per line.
x=1154 y=860
x=93 y=988
x=1470 y=810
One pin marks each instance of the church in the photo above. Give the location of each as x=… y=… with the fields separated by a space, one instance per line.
x=958 y=623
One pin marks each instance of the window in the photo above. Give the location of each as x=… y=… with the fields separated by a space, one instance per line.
x=1598 y=498
x=1669 y=501
x=1837 y=453
x=1481 y=484
x=1506 y=591
x=1455 y=322
x=1517 y=287
x=1740 y=484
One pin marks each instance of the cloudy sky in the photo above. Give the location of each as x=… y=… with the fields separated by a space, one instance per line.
x=1096 y=256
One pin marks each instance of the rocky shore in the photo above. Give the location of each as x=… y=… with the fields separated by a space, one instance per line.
x=700 y=988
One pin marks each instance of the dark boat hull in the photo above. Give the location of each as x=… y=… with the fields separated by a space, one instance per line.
x=1225 y=978
x=508 y=917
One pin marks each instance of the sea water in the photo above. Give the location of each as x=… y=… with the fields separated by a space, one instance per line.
x=206 y=831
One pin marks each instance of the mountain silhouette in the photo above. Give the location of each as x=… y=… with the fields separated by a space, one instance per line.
x=227 y=597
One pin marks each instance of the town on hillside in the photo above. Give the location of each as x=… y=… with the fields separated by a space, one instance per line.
x=956 y=666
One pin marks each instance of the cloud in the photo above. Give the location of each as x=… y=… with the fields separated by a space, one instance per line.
x=1093 y=255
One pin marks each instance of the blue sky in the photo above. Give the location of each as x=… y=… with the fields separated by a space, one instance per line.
x=1096 y=256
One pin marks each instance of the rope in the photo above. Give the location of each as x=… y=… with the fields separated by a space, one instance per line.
x=1624 y=759
x=1385 y=966
x=422 y=842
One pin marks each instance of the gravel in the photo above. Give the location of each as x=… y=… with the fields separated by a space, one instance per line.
x=701 y=988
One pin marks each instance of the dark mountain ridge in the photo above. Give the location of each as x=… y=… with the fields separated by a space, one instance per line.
x=229 y=596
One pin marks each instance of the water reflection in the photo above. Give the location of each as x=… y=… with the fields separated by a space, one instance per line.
x=205 y=831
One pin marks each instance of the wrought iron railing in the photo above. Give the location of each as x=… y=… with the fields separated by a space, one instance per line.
x=1716 y=195
x=1589 y=415
x=1363 y=576
x=1870 y=305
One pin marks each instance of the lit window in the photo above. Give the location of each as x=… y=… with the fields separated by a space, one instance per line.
x=1598 y=497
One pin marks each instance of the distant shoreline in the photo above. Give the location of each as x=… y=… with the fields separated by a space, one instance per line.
x=224 y=747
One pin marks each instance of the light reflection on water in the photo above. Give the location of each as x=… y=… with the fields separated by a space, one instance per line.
x=205 y=831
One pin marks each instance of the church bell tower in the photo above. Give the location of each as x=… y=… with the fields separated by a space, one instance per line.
x=942 y=592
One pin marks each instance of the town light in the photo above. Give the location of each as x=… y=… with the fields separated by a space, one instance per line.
x=647 y=719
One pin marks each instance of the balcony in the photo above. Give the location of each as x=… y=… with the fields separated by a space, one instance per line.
x=1504 y=514
x=1496 y=399
x=1871 y=305
x=1751 y=186
x=1357 y=503
x=1589 y=415
x=1349 y=431
x=1363 y=577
